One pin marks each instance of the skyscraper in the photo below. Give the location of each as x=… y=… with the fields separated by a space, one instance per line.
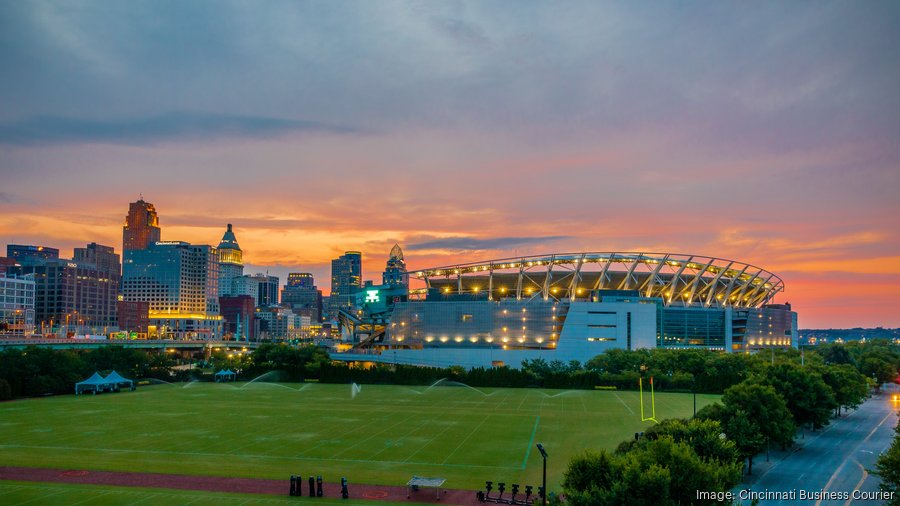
x=301 y=295
x=268 y=289
x=346 y=280
x=104 y=258
x=141 y=226
x=181 y=283
x=74 y=294
x=395 y=270
x=231 y=262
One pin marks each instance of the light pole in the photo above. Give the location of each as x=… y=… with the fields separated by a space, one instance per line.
x=540 y=448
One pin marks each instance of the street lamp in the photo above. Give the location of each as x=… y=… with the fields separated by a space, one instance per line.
x=540 y=448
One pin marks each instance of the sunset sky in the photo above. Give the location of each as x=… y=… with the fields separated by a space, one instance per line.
x=767 y=133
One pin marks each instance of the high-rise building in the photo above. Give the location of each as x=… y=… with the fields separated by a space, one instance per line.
x=346 y=280
x=181 y=283
x=246 y=285
x=27 y=252
x=16 y=306
x=141 y=228
x=71 y=297
x=267 y=294
x=104 y=258
x=395 y=270
x=301 y=295
x=231 y=262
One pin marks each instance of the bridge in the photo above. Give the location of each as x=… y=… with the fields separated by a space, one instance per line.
x=145 y=344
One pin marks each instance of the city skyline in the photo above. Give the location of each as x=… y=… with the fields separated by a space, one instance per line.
x=468 y=131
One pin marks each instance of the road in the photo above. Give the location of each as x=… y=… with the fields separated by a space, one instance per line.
x=836 y=459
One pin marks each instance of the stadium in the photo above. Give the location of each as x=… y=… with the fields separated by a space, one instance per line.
x=571 y=306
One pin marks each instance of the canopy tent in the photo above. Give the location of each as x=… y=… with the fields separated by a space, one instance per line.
x=225 y=375
x=94 y=384
x=116 y=380
x=418 y=482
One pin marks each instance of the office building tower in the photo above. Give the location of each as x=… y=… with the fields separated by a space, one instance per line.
x=395 y=270
x=267 y=290
x=24 y=253
x=16 y=306
x=180 y=281
x=104 y=258
x=246 y=285
x=231 y=262
x=141 y=228
x=301 y=295
x=346 y=281
x=71 y=297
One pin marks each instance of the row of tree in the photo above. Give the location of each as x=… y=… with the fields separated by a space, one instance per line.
x=766 y=407
x=40 y=371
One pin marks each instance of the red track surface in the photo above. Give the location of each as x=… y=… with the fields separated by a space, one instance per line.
x=222 y=484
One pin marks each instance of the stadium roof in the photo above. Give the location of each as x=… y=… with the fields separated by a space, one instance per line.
x=677 y=279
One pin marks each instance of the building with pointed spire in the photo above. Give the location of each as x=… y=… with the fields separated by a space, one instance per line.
x=395 y=270
x=231 y=262
x=141 y=228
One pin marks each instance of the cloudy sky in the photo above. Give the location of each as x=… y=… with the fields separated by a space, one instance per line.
x=761 y=132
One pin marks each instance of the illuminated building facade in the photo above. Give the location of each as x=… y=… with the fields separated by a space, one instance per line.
x=141 y=228
x=346 y=281
x=180 y=281
x=231 y=262
x=277 y=323
x=395 y=270
x=301 y=295
x=575 y=306
x=16 y=306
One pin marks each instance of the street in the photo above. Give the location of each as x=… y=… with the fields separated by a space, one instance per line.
x=836 y=459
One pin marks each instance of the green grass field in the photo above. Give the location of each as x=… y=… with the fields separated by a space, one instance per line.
x=382 y=435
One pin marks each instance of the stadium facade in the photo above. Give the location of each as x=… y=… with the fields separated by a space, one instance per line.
x=574 y=306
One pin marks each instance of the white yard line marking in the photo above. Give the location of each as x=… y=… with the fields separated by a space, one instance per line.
x=623 y=402
x=466 y=439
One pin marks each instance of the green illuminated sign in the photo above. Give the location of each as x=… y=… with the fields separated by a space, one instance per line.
x=372 y=296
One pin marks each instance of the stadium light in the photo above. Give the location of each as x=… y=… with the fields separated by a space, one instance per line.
x=540 y=448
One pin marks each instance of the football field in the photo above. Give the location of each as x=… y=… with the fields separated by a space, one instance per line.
x=376 y=434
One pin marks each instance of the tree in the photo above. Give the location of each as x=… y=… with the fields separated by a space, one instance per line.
x=655 y=472
x=833 y=353
x=888 y=468
x=808 y=398
x=747 y=436
x=847 y=384
x=766 y=414
x=704 y=436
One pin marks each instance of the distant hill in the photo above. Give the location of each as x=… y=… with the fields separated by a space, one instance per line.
x=819 y=336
